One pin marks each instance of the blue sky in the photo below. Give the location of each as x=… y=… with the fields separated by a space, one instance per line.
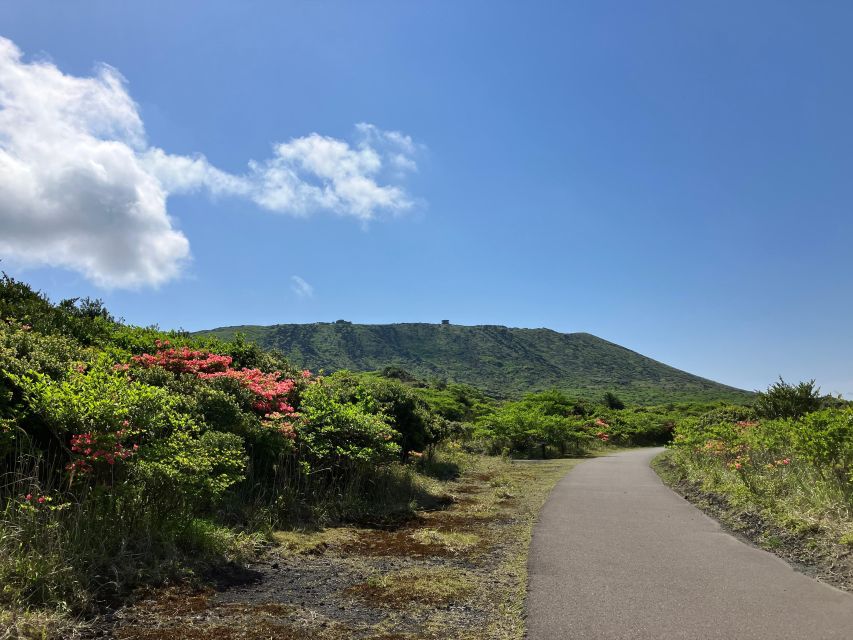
x=674 y=177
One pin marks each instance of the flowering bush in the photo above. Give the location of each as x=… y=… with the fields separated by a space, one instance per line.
x=90 y=449
x=272 y=393
x=129 y=434
x=804 y=463
x=183 y=360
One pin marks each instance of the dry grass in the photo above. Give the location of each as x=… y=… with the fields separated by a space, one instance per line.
x=36 y=624
x=453 y=541
x=416 y=585
x=314 y=542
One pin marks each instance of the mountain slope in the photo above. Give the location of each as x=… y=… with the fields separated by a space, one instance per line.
x=501 y=360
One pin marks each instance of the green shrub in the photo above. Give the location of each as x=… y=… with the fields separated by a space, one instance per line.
x=783 y=400
x=401 y=406
x=334 y=432
x=795 y=469
x=539 y=421
x=612 y=401
x=825 y=440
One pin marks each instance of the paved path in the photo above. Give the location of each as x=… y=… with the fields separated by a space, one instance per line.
x=616 y=554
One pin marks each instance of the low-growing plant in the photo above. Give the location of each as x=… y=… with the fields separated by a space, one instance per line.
x=798 y=468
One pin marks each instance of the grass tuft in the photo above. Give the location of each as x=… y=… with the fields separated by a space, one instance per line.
x=417 y=585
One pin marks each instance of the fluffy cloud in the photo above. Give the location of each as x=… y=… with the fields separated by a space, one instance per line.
x=73 y=191
x=300 y=287
x=81 y=188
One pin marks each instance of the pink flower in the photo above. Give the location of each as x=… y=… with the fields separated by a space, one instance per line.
x=28 y=497
x=41 y=500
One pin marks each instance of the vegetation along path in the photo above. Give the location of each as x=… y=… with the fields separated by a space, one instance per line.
x=616 y=554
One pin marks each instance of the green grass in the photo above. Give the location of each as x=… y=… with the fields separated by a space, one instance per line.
x=504 y=361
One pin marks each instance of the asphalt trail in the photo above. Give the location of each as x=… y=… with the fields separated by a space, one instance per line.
x=616 y=554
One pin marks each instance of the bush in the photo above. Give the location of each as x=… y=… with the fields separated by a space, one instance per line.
x=539 y=421
x=612 y=401
x=794 y=469
x=399 y=404
x=783 y=400
x=340 y=434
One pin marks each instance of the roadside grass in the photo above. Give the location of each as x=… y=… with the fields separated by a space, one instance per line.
x=36 y=624
x=455 y=570
x=453 y=541
x=308 y=541
x=805 y=522
x=416 y=585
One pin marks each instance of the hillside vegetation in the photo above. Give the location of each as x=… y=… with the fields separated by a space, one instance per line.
x=506 y=362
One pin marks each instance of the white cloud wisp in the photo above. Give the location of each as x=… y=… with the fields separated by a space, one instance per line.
x=301 y=288
x=81 y=188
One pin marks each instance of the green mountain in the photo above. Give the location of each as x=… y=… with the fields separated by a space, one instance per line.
x=503 y=361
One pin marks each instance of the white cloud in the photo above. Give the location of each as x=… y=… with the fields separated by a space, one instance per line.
x=301 y=288
x=73 y=192
x=81 y=188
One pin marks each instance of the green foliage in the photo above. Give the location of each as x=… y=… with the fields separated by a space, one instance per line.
x=85 y=321
x=123 y=457
x=727 y=414
x=641 y=426
x=94 y=397
x=612 y=401
x=400 y=404
x=783 y=400
x=504 y=362
x=795 y=469
x=193 y=466
x=340 y=433
x=115 y=462
x=825 y=439
x=538 y=421
x=551 y=421
x=456 y=402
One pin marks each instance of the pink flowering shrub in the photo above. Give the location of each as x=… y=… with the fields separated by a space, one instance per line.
x=273 y=394
x=183 y=360
x=90 y=449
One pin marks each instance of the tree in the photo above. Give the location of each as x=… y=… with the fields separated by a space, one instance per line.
x=612 y=401
x=783 y=400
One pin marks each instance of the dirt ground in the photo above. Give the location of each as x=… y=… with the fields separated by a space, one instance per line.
x=457 y=572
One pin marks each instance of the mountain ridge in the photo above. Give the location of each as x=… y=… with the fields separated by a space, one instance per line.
x=505 y=361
